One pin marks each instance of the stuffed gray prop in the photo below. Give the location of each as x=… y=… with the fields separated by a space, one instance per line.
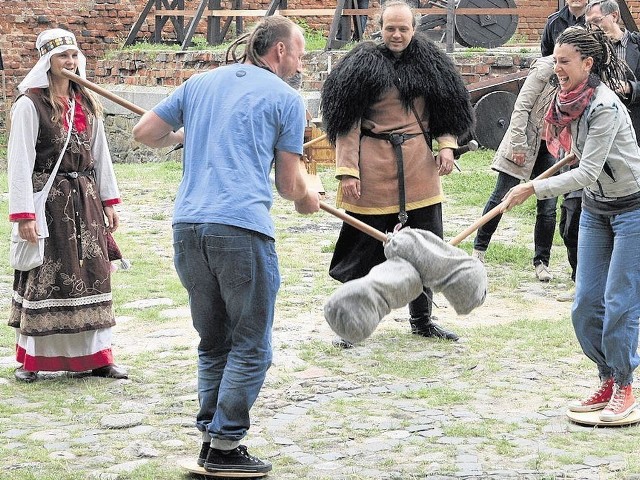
x=415 y=259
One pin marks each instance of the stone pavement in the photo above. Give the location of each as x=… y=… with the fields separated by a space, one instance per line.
x=301 y=417
x=326 y=414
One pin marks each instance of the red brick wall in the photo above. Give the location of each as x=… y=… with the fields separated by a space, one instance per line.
x=102 y=25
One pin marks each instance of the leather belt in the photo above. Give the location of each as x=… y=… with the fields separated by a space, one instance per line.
x=73 y=175
x=396 y=140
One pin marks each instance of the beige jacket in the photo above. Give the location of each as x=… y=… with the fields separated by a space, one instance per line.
x=525 y=131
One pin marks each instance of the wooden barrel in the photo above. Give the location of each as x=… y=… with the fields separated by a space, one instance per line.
x=322 y=151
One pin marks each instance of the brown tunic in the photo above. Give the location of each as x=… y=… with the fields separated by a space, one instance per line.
x=373 y=160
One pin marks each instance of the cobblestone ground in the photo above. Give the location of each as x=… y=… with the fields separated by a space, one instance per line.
x=326 y=413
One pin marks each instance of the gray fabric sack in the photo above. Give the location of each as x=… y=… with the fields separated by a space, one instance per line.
x=442 y=267
x=355 y=309
x=416 y=259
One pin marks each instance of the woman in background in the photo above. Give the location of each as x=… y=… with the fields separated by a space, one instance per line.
x=523 y=155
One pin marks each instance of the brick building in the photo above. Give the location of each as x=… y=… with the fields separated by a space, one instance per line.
x=102 y=25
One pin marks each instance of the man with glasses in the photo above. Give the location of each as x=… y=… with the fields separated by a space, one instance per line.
x=571 y=14
x=605 y=15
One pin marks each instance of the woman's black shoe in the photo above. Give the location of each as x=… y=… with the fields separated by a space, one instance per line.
x=23 y=375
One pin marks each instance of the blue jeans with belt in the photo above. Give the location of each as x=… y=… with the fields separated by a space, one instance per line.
x=232 y=278
x=607 y=304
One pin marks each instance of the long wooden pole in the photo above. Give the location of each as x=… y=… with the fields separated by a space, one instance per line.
x=315 y=140
x=354 y=222
x=104 y=92
x=498 y=209
x=132 y=106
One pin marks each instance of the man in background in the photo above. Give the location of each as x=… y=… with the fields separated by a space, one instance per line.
x=569 y=15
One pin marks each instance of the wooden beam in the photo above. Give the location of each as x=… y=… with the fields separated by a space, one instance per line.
x=321 y=12
x=193 y=24
x=627 y=17
x=131 y=38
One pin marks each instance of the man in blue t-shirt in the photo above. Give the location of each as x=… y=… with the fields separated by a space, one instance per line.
x=235 y=122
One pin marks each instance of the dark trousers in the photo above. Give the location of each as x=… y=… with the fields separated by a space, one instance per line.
x=569 y=223
x=356 y=253
x=545 y=212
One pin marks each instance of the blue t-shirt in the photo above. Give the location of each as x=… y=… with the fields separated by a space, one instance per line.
x=234 y=119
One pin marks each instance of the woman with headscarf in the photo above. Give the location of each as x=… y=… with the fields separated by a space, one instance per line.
x=62 y=310
x=588 y=119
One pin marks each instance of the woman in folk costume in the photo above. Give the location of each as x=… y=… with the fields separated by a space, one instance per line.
x=62 y=310
x=588 y=119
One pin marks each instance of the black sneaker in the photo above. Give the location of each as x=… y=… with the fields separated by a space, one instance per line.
x=236 y=460
x=204 y=451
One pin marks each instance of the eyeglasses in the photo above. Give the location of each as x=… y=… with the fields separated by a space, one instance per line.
x=598 y=20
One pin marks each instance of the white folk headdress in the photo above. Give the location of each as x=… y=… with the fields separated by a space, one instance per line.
x=48 y=43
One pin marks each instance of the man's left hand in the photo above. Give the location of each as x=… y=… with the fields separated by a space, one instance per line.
x=445 y=161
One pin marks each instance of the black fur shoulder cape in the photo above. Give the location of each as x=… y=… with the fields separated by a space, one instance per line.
x=369 y=69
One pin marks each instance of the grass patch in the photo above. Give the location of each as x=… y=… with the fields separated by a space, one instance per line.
x=314 y=40
x=3 y=148
x=438 y=396
x=527 y=339
x=482 y=429
x=493 y=390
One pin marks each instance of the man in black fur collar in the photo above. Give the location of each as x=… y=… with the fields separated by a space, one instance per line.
x=381 y=106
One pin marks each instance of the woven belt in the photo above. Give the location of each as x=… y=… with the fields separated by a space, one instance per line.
x=396 y=140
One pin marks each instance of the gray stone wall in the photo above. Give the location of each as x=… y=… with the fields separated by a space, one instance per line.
x=119 y=122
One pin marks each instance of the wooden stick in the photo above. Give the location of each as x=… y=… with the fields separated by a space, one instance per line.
x=315 y=140
x=104 y=92
x=498 y=208
x=132 y=106
x=354 y=222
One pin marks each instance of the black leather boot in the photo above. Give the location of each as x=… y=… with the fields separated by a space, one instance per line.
x=341 y=343
x=426 y=327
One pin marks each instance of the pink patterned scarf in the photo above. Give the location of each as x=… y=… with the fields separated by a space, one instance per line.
x=566 y=107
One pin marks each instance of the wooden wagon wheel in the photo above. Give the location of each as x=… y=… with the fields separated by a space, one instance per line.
x=488 y=31
x=493 y=114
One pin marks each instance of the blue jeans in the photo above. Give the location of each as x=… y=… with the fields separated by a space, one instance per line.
x=607 y=305
x=232 y=278
x=545 y=213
